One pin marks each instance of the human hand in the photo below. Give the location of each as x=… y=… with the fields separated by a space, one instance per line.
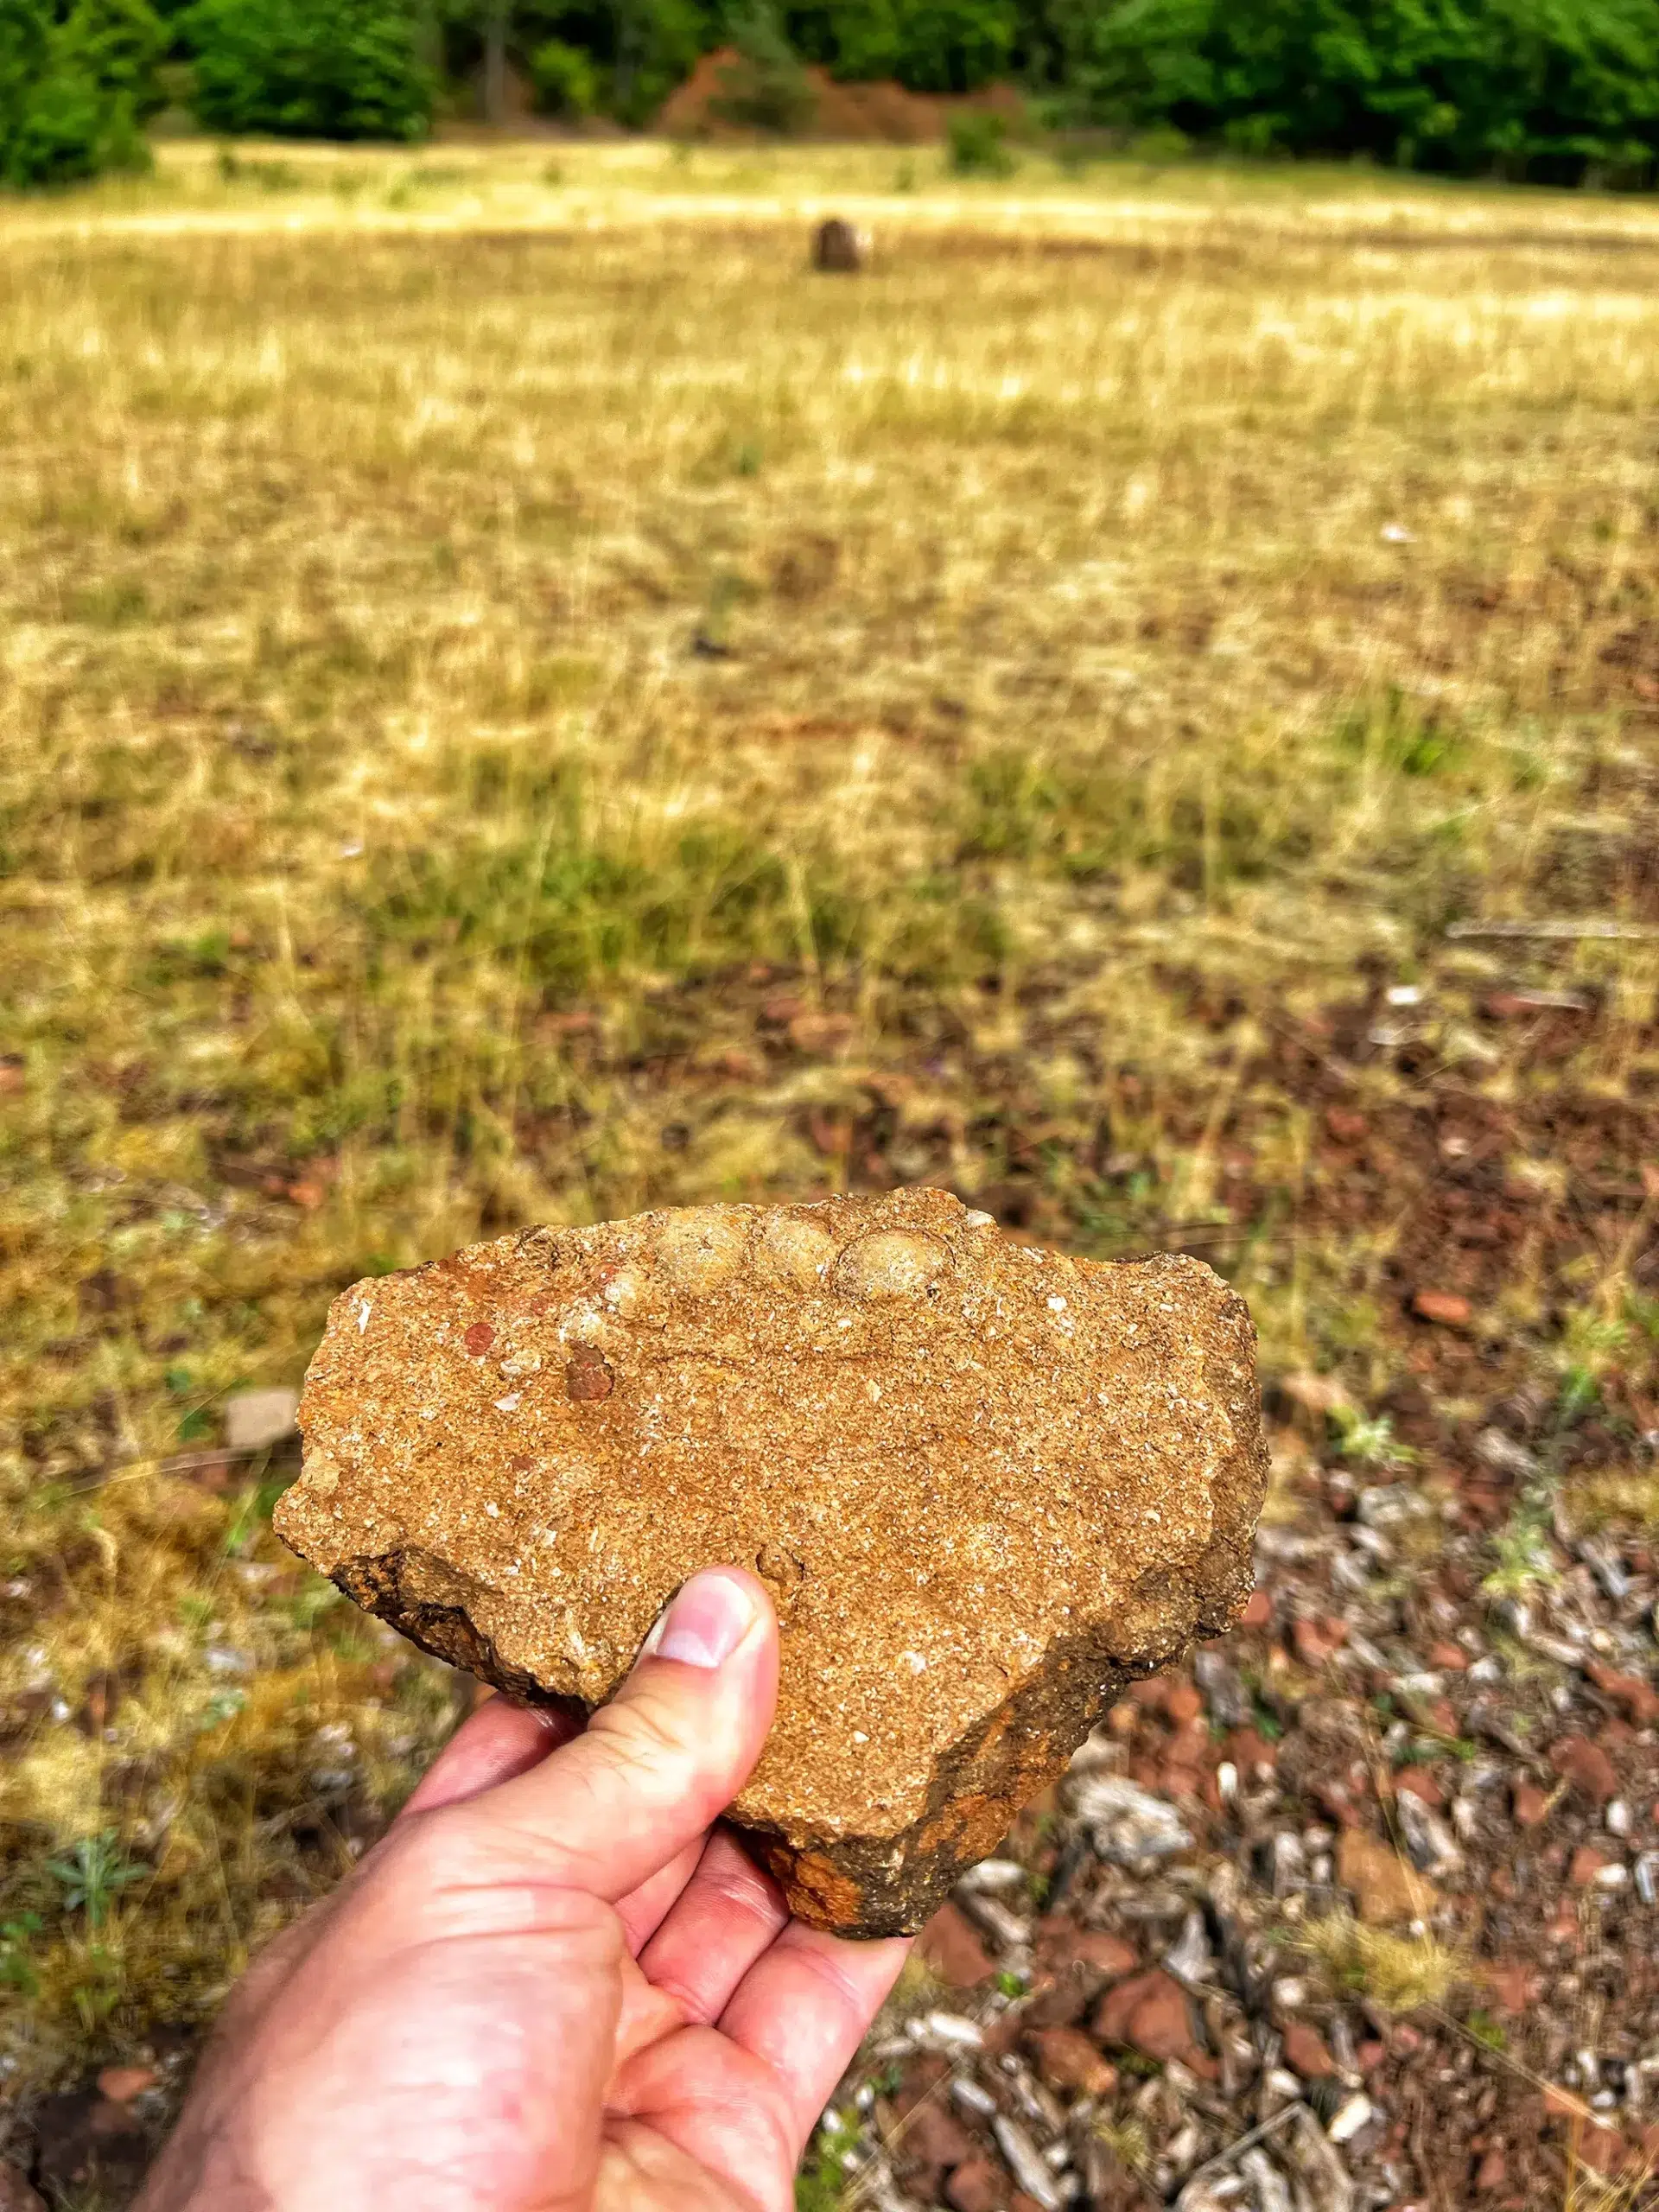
x=553 y=1985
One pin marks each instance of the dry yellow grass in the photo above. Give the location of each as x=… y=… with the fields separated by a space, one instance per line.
x=1399 y=1974
x=474 y=641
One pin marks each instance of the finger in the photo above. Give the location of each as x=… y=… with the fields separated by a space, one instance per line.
x=647 y=2017
x=802 y=2009
x=703 y=2101
x=501 y=1740
x=729 y=1913
x=643 y=1912
x=669 y=1753
x=492 y=1745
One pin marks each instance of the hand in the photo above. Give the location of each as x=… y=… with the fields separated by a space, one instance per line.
x=553 y=1985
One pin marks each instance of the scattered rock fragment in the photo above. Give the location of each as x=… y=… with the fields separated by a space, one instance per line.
x=1586 y=1864
x=1025 y=2162
x=988 y=1486
x=1445 y=1307
x=1130 y=1827
x=1529 y=1805
x=931 y=2139
x=821 y=1035
x=1383 y=1887
x=1492 y=2172
x=1305 y=2052
x=1639 y=1699
x=1066 y=2059
x=255 y=1420
x=1149 y=2013
x=1586 y=1766
x=976 y=2186
x=121 y=2084
x=950 y=1947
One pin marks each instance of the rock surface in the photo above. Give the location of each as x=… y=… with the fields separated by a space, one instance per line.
x=986 y=1485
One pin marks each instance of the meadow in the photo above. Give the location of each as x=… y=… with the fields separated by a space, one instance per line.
x=520 y=701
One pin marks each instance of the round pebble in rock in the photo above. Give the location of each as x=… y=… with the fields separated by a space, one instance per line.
x=796 y=1251
x=700 y=1249
x=892 y=1264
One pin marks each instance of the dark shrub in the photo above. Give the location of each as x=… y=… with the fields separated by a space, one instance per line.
x=310 y=68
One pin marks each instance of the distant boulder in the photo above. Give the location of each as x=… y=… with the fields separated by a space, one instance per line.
x=840 y=248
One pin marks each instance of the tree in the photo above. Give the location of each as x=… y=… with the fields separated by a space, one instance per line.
x=75 y=89
x=311 y=68
x=497 y=14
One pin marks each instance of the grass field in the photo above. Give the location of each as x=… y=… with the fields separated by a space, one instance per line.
x=521 y=701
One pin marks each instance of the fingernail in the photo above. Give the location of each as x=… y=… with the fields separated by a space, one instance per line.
x=706 y=1621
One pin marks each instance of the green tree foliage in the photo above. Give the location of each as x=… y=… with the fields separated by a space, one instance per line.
x=639 y=50
x=1547 y=89
x=75 y=84
x=766 y=87
x=976 y=145
x=931 y=46
x=566 y=80
x=310 y=68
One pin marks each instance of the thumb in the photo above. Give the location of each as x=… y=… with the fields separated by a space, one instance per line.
x=667 y=1754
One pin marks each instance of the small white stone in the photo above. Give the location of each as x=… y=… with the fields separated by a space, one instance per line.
x=256 y=1419
x=1349 y=2118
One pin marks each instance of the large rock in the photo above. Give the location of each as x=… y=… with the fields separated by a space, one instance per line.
x=985 y=1484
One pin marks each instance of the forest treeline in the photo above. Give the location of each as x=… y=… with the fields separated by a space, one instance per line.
x=1551 y=90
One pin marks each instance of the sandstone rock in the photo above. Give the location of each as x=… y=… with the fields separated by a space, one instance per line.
x=1586 y=1766
x=1585 y=1864
x=1149 y=2013
x=929 y=2138
x=976 y=2186
x=1306 y=2052
x=986 y=1485
x=1528 y=1805
x=121 y=2084
x=950 y=1947
x=1066 y=2059
x=1384 y=1887
x=1445 y=1306
x=1639 y=1699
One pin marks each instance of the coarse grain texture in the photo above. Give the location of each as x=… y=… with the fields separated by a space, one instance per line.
x=986 y=1485
x=522 y=701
